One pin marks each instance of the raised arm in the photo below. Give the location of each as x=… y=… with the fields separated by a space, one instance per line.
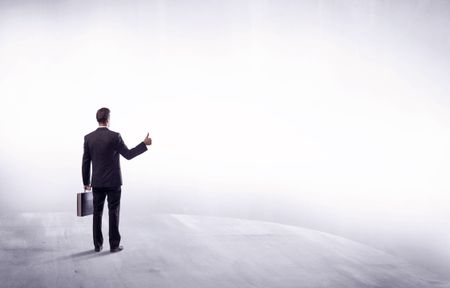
x=131 y=153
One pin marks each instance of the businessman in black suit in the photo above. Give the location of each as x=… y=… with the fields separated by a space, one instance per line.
x=102 y=147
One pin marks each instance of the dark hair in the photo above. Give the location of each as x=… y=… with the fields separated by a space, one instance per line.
x=102 y=115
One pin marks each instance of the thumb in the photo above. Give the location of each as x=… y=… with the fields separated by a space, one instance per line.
x=147 y=135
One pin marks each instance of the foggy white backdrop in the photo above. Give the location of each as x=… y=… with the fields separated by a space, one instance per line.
x=332 y=115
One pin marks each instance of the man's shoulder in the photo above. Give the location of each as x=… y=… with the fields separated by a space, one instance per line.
x=101 y=131
x=89 y=134
x=114 y=132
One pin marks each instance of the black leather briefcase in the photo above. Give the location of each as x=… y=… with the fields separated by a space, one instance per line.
x=85 y=204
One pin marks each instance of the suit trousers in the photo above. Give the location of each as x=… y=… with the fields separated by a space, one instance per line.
x=113 y=196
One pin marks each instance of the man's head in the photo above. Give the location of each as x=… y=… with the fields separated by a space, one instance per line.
x=103 y=116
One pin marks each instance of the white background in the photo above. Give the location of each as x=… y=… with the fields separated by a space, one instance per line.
x=332 y=115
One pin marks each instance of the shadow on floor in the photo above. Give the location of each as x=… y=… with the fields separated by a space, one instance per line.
x=79 y=256
x=88 y=254
x=82 y=254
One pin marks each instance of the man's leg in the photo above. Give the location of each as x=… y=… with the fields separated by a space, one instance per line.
x=114 y=213
x=99 y=201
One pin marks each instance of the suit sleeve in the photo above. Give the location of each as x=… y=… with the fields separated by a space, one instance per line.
x=129 y=153
x=86 y=164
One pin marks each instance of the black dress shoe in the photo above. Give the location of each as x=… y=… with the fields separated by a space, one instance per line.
x=117 y=249
x=98 y=249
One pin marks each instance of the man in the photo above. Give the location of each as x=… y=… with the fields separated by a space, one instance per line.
x=102 y=147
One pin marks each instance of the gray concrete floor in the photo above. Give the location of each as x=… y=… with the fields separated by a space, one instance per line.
x=55 y=250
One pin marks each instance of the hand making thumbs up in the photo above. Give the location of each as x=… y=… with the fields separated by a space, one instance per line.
x=147 y=140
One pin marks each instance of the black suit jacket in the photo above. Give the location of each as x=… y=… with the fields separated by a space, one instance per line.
x=102 y=147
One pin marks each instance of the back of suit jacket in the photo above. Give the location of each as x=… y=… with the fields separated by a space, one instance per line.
x=103 y=148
